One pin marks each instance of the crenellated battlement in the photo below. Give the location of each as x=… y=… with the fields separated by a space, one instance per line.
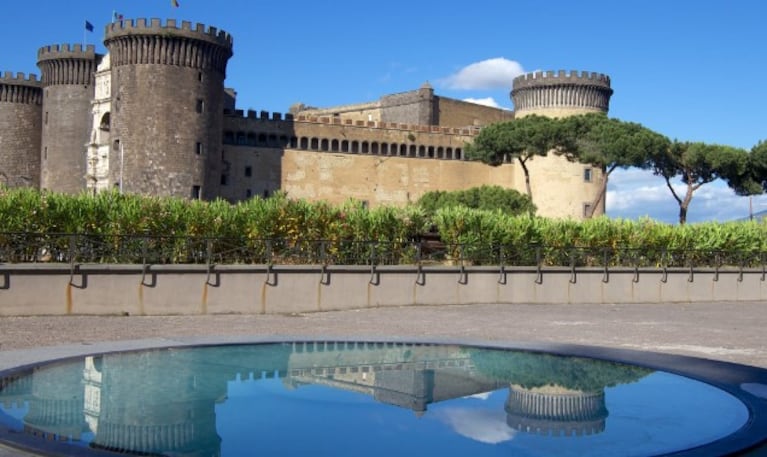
x=561 y=92
x=140 y=42
x=275 y=117
x=20 y=79
x=547 y=78
x=20 y=88
x=155 y=26
x=66 y=51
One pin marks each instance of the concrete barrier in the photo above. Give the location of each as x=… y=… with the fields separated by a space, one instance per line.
x=104 y=289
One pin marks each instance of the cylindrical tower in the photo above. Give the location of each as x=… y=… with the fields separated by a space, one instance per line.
x=561 y=94
x=21 y=100
x=167 y=106
x=68 y=77
x=562 y=188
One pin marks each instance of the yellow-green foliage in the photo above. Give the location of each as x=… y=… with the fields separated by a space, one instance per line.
x=349 y=228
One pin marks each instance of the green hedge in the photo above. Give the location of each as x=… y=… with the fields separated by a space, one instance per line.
x=468 y=234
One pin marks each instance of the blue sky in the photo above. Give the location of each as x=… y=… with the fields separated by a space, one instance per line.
x=693 y=71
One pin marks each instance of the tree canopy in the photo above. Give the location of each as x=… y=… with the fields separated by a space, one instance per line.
x=521 y=140
x=610 y=144
x=697 y=164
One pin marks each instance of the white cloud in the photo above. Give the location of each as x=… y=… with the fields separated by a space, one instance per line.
x=486 y=426
x=635 y=193
x=497 y=73
x=487 y=101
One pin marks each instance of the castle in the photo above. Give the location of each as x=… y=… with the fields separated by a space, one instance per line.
x=152 y=116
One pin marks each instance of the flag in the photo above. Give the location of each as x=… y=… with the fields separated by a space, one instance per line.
x=88 y=26
x=116 y=16
x=174 y=3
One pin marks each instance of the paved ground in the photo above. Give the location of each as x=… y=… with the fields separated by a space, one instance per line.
x=724 y=331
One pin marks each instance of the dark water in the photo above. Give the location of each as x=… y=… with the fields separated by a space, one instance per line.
x=361 y=399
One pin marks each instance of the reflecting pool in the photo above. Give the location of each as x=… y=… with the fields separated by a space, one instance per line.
x=352 y=398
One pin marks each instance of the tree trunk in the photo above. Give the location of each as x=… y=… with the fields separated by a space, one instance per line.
x=601 y=192
x=684 y=204
x=527 y=178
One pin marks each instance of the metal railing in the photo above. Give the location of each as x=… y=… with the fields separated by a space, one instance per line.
x=158 y=249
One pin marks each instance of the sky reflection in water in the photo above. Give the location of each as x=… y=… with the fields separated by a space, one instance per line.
x=378 y=399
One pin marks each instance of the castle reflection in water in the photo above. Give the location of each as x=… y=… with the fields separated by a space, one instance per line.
x=164 y=401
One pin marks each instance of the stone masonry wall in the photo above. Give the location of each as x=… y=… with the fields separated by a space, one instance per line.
x=20 y=130
x=458 y=113
x=68 y=88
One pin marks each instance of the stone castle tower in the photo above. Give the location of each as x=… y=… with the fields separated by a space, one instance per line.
x=21 y=100
x=68 y=80
x=563 y=94
x=167 y=100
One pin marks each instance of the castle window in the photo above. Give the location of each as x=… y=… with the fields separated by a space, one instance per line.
x=304 y=143
x=587 y=175
x=105 y=121
x=228 y=137
x=345 y=146
x=116 y=145
x=199 y=76
x=430 y=152
x=374 y=148
x=334 y=145
x=315 y=144
x=45 y=153
x=248 y=171
x=262 y=139
x=200 y=106
x=324 y=144
x=46 y=118
x=198 y=148
x=224 y=180
x=440 y=153
x=196 y=192
x=241 y=138
x=587 y=210
x=355 y=147
x=412 y=150
x=458 y=154
x=248 y=193
x=272 y=141
x=266 y=193
x=251 y=139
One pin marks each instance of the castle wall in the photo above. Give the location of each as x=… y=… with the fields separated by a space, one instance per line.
x=167 y=100
x=413 y=107
x=357 y=112
x=332 y=159
x=68 y=88
x=458 y=113
x=380 y=180
x=20 y=130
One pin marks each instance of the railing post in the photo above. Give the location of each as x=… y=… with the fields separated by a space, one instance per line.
x=324 y=275
x=538 y=260
x=573 y=277
x=420 y=277
x=502 y=262
x=605 y=261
